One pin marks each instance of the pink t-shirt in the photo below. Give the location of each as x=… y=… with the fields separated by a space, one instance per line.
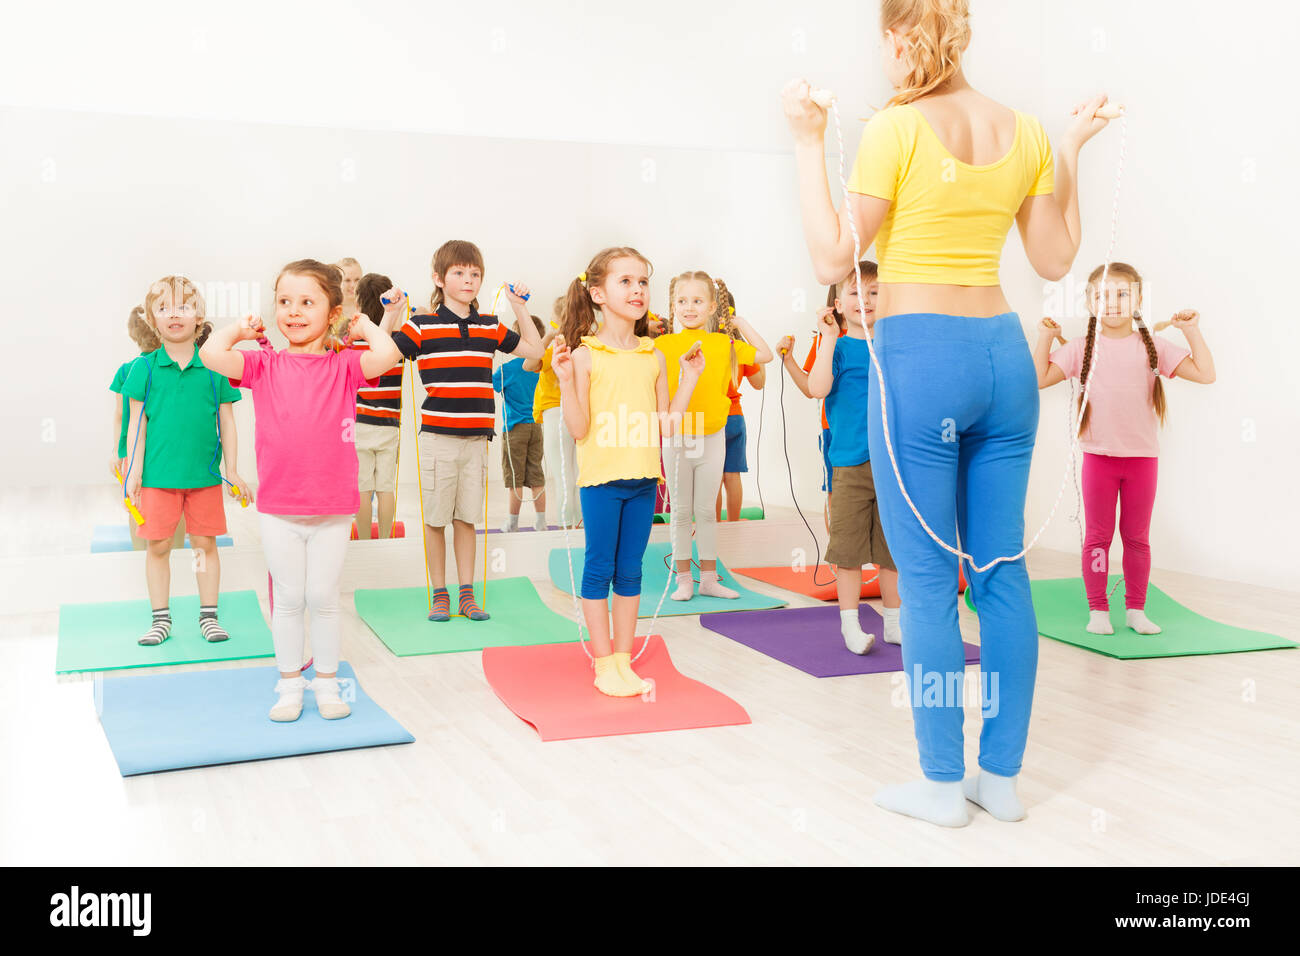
x=305 y=407
x=1122 y=422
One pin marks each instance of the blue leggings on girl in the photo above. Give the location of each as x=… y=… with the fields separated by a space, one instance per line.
x=617 y=517
x=963 y=414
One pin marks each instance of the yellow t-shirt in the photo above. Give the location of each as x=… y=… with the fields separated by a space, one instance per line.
x=710 y=403
x=948 y=220
x=622 y=439
x=548 y=388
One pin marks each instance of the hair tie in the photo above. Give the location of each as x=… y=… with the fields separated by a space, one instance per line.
x=731 y=310
x=582 y=277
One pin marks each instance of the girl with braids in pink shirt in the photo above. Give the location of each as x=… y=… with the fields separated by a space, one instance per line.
x=1126 y=404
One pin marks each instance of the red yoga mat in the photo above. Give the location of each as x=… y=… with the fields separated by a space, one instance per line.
x=550 y=687
x=802 y=580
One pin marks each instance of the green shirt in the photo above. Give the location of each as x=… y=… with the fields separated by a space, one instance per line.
x=118 y=381
x=181 y=447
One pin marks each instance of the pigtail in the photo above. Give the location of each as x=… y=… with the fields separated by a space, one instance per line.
x=142 y=332
x=575 y=314
x=1086 y=370
x=724 y=308
x=1158 y=389
x=204 y=331
x=672 y=287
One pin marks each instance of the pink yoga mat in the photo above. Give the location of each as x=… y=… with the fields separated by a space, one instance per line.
x=809 y=638
x=550 y=687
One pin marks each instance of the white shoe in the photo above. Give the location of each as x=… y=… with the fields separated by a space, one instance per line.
x=328 y=701
x=289 y=706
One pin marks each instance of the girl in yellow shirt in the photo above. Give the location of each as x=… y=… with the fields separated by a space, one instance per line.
x=615 y=402
x=695 y=459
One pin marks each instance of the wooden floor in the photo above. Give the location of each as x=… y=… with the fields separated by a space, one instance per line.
x=1174 y=761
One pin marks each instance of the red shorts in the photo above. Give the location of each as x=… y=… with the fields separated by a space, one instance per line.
x=204 y=508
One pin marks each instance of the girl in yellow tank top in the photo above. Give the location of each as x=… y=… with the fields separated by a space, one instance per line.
x=695 y=462
x=614 y=398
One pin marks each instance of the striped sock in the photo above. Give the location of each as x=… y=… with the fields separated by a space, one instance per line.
x=212 y=631
x=162 y=626
x=441 y=605
x=469 y=607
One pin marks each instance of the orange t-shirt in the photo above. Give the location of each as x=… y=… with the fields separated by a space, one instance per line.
x=733 y=392
x=807 y=367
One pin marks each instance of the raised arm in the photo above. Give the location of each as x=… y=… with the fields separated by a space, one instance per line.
x=530 y=343
x=1048 y=374
x=821 y=378
x=1199 y=366
x=535 y=364
x=1049 y=224
x=797 y=374
x=762 y=353
x=218 y=352
x=573 y=372
x=383 y=352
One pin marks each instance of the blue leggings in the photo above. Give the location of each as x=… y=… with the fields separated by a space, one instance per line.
x=963 y=415
x=617 y=517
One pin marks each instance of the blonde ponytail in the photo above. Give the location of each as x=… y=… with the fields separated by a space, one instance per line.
x=936 y=33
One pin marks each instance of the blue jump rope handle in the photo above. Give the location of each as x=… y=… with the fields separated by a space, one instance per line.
x=512 y=289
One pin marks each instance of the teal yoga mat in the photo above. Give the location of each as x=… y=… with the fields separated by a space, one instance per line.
x=399 y=618
x=654 y=575
x=100 y=637
x=752 y=513
x=1061 y=606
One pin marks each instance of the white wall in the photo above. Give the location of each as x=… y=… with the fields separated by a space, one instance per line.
x=235 y=147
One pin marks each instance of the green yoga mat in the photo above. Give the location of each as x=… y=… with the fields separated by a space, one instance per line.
x=400 y=618
x=654 y=575
x=1061 y=606
x=102 y=637
x=752 y=513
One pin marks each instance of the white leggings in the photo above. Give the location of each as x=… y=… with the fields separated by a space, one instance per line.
x=556 y=439
x=304 y=554
x=694 y=466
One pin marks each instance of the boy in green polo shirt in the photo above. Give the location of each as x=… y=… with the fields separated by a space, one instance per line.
x=178 y=409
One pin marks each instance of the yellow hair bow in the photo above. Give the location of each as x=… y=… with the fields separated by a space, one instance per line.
x=582 y=277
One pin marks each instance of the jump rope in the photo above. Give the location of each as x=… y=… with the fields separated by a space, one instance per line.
x=827 y=102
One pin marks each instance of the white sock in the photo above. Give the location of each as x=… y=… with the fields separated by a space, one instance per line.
x=328 y=701
x=1136 y=618
x=855 y=639
x=996 y=794
x=893 y=629
x=685 y=587
x=1099 y=623
x=289 y=705
x=939 y=802
x=511 y=524
x=540 y=523
x=711 y=586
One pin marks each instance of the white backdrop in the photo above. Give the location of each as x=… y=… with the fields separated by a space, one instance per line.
x=225 y=144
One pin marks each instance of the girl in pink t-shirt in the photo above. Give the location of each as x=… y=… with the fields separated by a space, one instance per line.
x=1126 y=404
x=304 y=399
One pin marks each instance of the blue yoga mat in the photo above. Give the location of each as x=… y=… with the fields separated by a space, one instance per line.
x=158 y=722
x=654 y=574
x=115 y=537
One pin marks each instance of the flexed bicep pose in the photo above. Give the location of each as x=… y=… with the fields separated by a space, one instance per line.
x=939 y=177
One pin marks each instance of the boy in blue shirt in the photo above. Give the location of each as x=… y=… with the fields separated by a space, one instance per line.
x=840 y=375
x=521 y=445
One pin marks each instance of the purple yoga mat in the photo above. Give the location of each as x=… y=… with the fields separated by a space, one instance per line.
x=809 y=638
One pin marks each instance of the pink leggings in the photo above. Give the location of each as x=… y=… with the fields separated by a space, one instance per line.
x=1131 y=481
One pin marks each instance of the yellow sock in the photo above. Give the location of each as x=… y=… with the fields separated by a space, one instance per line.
x=610 y=681
x=623 y=660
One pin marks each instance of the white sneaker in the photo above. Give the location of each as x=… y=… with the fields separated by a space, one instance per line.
x=289 y=706
x=328 y=701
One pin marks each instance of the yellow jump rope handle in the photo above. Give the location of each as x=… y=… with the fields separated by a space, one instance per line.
x=236 y=493
x=135 y=512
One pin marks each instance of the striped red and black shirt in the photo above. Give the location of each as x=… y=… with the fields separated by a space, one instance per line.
x=454 y=356
x=381 y=405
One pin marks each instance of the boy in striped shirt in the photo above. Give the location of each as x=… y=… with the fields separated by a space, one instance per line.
x=453 y=349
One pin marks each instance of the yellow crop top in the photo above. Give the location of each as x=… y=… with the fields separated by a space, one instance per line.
x=948 y=220
x=622 y=439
